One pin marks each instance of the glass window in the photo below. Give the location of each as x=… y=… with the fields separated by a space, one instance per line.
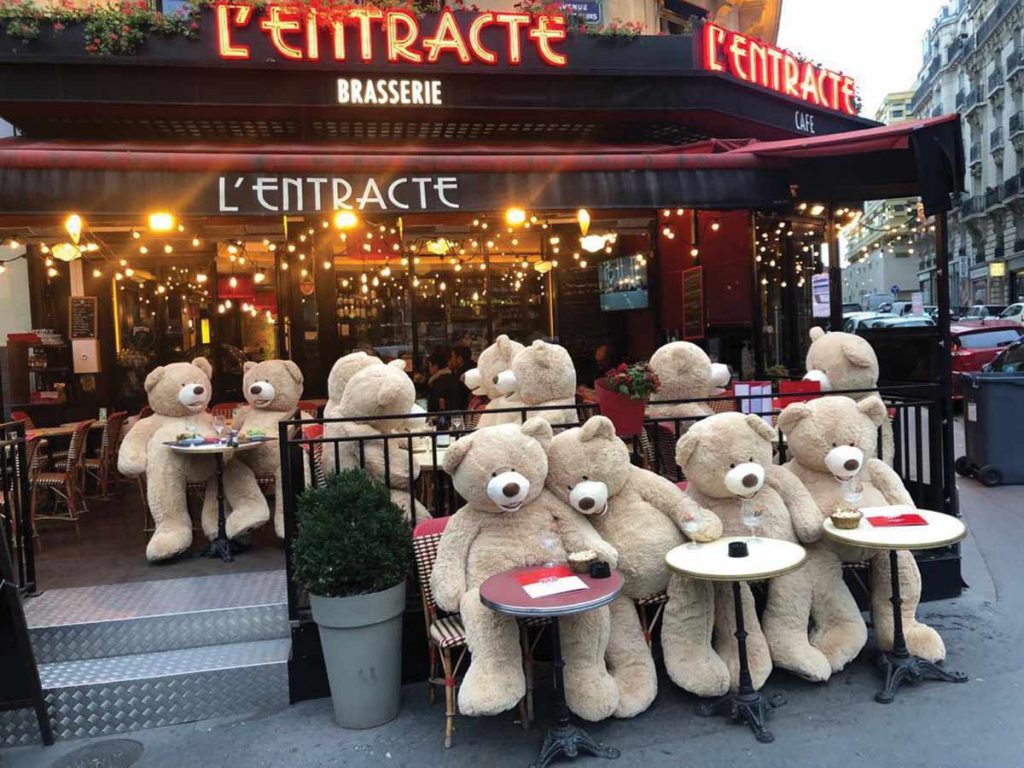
x=997 y=337
x=1012 y=311
x=1013 y=361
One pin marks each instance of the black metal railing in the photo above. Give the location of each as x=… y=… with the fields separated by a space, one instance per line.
x=1016 y=123
x=15 y=512
x=995 y=139
x=961 y=98
x=975 y=152
x=993 y=196
x=972 y=206
x=973 y=99
x=996 y=80
x=1014 y=61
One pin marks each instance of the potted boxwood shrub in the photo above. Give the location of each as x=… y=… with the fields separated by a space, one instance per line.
x=622 y=396
x=353 y=553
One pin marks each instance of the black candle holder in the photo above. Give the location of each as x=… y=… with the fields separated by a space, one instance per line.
x=738 y=549
x=599 y=569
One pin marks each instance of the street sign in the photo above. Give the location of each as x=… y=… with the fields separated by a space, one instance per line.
x=587 y=12
x=895 y=290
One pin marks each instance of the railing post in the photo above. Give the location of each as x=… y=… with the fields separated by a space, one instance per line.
x=950 y=501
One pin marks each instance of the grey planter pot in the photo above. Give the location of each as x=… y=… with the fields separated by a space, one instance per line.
x=362 y=643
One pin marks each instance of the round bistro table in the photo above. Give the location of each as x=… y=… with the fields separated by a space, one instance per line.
x=766 y=559
x=504 y=593
x=221 y=546
x=898 y=666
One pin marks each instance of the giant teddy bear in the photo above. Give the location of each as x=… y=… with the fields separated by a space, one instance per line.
x=483 y=381
x=641 y=515
x=543 y=374
x=178 y=394
x=500 y=472
x=728 y=462
x=272 y=392
x=844 y=361
x=372 y=393
x=831 y=440
x=342 y=371
x=686 y=373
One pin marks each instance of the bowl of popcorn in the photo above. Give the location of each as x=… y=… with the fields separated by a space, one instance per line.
x=580 y=562
x=845 y=518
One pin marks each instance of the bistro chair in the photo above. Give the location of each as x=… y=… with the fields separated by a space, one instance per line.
x=226 y=411
x=651 y=609
x=66 y=484
x=101 y=468
x=8 y=515
x=24 y=417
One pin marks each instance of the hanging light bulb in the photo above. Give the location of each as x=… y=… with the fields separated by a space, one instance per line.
x=259 y=277
x=344 y=219
x=97 y=273
x=227 y=303
x=201 y=277
x=327 y=264
x=233 y=282
x=515 y=216
x=195 y=242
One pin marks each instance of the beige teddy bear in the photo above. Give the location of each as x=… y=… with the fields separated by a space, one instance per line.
x=372 y=393
x=272 y=390
x=342 y=371
x=832 y=439
x=543 y=374
x=485 y=378
x=728 y=462
x=507 y=522
x=686 y=373
x=844 y=361
x=178 y=394
x=641 y=514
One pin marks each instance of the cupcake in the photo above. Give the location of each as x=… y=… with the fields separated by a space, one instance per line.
x=846 y=518
x=580 y=562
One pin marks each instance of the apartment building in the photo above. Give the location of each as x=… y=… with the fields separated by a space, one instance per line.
x=974 y=64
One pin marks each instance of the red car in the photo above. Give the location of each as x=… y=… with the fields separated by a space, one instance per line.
x=977 y=342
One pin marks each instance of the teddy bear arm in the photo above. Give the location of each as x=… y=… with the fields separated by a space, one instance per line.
x=577 y=535
x=803 y=509
x=885 y=479
x=133 y=453
x=680 y=508
x=448 y=578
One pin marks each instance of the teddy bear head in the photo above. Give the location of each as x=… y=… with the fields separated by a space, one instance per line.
x=376 y=391
x=840 y=361
x=273 y=385
x=833 y=434
x=588 y=465
x=540 y=372
x=686 y=372
x=344 y=369
x=725 y=455
x=483 y=380
x=180 y=389
x=499 y=469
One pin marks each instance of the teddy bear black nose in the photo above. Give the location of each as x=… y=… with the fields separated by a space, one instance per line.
x=255 y=389
x=511 y=489
x=851 y=464
x=749 y=481
x=586 y=503
x=495 y=379
x=198 y=390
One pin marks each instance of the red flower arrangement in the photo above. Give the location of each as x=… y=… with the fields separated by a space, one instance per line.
x=637 y=381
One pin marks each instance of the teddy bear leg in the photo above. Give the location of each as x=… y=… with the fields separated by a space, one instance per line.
x=686 y=633
x=166 y=494
x=211 y=515
x=411 y=508
x=922 y=640
x=494 y=681
x=839 y=629
x=758 y=656
x=249 y=507
x=629 y=660
x=785 y=622
x=590 y=691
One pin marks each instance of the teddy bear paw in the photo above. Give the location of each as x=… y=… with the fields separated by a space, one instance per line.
x=245 y=519
x=704 y=675
x=925 y=642
x=841 y=643
x=491 y=688
x=168 y=542
x=808 y=663
x=591 y=692
x=637 y=688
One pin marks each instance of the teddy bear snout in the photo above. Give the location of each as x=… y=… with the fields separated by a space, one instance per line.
x=589 y=497
x=821 y=377
x=745 y=479
x=720 y=375
x=844 y=461
x=262 y=392
x=197 y=390
x=191 y=396
x=511 y=490
x=508 y=490
x=506 y=382
x=472 y=378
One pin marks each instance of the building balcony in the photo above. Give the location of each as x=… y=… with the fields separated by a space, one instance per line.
x=974 y=157
x=972 y=208
x=1017 y=130
x=993 y=198
x=993 y=20
x=1015 y=63
x=973 y=101
x=961 y=97
x=996 y=85
x=1011 y=187
x=1018 y=245
x=996 y=145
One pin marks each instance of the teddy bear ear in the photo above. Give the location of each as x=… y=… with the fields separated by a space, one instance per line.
x=456 y=453
x=539 y=430
x=874 y=409
x=153 y=378
x=248 y=365
x=762 y=428
x=203 y=365
x=398 y=363
x=686 y=446
x=859 y=352
x=817 y=332
x=597 y=427
x=792 y=415
x=503 y=342
x=294 y=371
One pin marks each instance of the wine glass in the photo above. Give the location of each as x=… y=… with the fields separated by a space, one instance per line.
x=218 y=425
x=751 y=514
x=458 y=424
x=691 y=527
x=549 y=544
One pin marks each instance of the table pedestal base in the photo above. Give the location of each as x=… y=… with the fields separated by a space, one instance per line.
x=913 y=669
x=570 y=741
x=751 y=708
x=223 y=548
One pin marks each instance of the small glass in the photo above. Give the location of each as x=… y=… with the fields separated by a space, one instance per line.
x=218 y=425
x=549 y=543
x=691 y=527
x=458 y=424
x=751 y=514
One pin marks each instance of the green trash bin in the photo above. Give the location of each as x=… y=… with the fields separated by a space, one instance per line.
x=993 y=418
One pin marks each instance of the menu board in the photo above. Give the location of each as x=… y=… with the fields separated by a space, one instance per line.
x=582 y=326
x=693 y=303
x=82 y=317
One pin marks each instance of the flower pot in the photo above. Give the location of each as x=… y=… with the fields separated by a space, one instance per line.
x=625 y=413
x=361 y=638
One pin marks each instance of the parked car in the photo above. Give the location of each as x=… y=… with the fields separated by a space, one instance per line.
x=1014 y=312
x=852 y=307
x=977 y=344
x=983 y=312
x=1010 y=360
x=932 y=311
x=855 y=320
x=910 y=321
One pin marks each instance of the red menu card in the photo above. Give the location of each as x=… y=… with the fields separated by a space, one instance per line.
x=540 y=574
x=897 y=521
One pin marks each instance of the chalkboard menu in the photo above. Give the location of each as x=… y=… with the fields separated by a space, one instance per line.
x=693 y=303
x=582 y=326
x=82 y=317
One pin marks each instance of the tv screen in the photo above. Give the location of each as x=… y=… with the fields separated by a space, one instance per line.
x=622 y=284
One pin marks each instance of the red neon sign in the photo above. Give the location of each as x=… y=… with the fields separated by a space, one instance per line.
x=295 y=32
x=758 y=63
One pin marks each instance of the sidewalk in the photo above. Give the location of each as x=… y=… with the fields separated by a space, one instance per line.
x=933 y=725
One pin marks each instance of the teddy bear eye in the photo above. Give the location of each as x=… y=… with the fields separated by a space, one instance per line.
x=494 y=474
x=833 y=445
x=751 y=459
x=585 y=477
x=732 y=466
x=852 y=444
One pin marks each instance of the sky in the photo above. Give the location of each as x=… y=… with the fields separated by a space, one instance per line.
x=878 y=42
